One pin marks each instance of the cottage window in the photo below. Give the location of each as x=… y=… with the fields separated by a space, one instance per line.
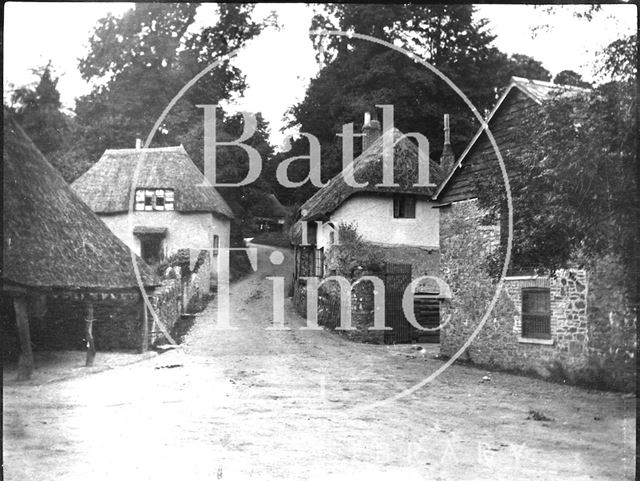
x=216 y=244
x=404 y=207
x=154 y=199
x=536 y=313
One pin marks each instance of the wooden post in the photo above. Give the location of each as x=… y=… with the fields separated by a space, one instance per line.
x=91 y=347
x=145 y=327
x=25 y=362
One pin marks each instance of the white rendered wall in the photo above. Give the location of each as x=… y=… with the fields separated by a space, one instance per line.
x=188 y=230
x=373 y=216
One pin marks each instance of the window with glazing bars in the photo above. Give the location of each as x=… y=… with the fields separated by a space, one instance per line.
x=154 y=199
x=536 y=313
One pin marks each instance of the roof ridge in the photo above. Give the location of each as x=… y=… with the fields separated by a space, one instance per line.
x=148 y=149
x=545 y=83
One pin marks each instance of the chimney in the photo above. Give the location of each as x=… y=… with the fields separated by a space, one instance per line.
x=138 y=143
x=447 y=159
x=371 y=130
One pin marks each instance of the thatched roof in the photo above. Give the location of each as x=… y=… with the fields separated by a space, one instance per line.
x=271 y=207
x=106 y=186
x=368 y=168
x=51 y=238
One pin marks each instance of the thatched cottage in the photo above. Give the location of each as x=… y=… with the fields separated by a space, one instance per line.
x=156 y=201
x=402 y=220
x=66 y=278
x=397 y=228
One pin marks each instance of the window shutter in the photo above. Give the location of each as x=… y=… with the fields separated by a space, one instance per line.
x=396 y=206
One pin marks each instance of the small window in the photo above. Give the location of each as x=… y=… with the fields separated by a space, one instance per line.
x=154 y=199
x=536 y=313
x=216 y=244
x=404 y=207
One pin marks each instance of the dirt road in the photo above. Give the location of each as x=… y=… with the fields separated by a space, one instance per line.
x=263 y=404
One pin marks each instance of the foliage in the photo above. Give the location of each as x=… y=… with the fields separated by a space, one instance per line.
x=182 y=259
x=38 y=110
x=351 y=254
x=356 y=75
x=464 y=251
x=569 y=77
x=572 y=179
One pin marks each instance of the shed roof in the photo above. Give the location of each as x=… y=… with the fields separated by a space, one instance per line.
x=368 y=168
x=537 y=90
x=51 y=238
x=106 y=186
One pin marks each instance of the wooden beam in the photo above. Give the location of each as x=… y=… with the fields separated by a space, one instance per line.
x=91 y=347
x=25 y=362
x=145 y=328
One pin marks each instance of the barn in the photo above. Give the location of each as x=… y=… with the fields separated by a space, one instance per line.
x=67 y=281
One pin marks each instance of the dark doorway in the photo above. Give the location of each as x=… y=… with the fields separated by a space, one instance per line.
x=151 y=248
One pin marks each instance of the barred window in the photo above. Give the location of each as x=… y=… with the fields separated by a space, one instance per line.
x=536 y=313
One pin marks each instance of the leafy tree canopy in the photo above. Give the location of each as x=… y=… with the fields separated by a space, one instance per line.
x=574 y=179
x=356 y=75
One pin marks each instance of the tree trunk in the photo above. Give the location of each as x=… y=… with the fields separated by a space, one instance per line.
x=91 y=348
x=25 y=362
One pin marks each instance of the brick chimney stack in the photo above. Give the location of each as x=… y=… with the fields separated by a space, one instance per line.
x=447 y=159
x=371 y=130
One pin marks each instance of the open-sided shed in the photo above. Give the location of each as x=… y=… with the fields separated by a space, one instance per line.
x=54 y=245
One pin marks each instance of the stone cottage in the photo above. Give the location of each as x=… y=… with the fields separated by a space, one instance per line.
x=67 y=281
x=157 y=202
x=548 y=329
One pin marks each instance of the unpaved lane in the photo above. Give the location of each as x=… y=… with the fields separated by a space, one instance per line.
x=258 y=404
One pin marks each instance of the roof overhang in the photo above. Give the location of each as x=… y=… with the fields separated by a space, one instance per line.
x=145 y=230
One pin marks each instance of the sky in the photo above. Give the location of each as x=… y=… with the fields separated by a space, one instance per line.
x=279 y=64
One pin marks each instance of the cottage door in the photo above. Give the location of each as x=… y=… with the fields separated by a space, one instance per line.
x=396 y=279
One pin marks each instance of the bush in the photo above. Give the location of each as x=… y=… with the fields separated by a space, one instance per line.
x=353 y=254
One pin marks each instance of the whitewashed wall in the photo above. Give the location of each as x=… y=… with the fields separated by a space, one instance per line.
x=184 y=230
x=373 y=216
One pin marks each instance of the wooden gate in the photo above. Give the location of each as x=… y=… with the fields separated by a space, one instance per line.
x=396 y=278
x=426 y=308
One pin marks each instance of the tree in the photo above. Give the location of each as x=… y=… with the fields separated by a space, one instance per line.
x=569 y=77
x=39 y=111
x=356 y=75
x=573 y=182
x=140 y=61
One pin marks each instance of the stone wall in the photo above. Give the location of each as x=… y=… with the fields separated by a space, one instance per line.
x=568 y=356
x=167 y=304
x=500 y=343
